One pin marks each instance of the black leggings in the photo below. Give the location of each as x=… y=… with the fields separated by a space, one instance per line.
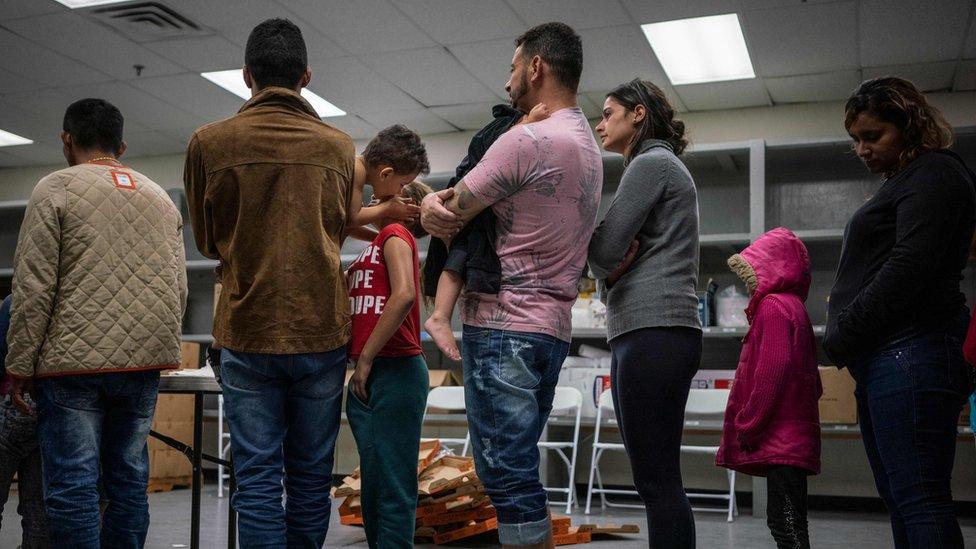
x=786 y=509
x=651 y=373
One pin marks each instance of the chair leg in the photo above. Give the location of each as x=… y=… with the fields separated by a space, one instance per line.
x=589 y=486
x=603 y=495
x=731 y=477
x=570 y=492
x=220 y=445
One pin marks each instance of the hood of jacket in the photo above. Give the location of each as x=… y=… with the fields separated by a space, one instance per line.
x=777 y=262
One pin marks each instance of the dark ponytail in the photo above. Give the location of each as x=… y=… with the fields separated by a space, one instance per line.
x=659 y=122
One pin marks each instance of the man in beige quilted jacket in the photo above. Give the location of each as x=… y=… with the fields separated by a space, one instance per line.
x=99 y=291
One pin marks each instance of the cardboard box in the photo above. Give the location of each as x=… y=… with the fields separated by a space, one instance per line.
x=837 y=405
x=173 y=408
x=168 y=464
x=189 y=355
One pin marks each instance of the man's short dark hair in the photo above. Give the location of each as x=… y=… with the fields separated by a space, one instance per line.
x=275 y=54
x=94 y=124
x=399 y=148
x=559 y=46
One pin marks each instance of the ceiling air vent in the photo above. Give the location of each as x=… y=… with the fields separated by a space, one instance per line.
x=147 y=21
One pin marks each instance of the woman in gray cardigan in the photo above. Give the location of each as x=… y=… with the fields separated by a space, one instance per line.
x=652 y=309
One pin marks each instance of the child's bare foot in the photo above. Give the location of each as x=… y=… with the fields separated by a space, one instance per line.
x=440 y=331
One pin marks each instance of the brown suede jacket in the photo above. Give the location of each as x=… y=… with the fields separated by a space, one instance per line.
x=268 y=191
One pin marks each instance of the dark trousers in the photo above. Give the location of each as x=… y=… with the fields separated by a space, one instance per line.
x=21 y=455
x=909 y=396
x=89 y=426
x=651 y=371
x=387 y=431
x=786 y=511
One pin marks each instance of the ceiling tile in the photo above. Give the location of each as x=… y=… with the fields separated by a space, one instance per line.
x=833 y=86
x=461 y=21
x=489 y=62
x=356 y=127
x=965 y=76
x=579 y=14
x=421 y=121
x=724 y=95
x=193 y=93
x=766 y=4
x=235 y=21
x=466 y=117
x=207 y=53
x=925 y=76
x=38 y=153
x=141 y=107
x=614 y=55
x=352 y=86
x=10 y=161
x=16 y=9
x=74 y=35
x=432 y=75
x=44 y=128
x=27 y=59
x=181 y=135
x=667 y=10
x=782 y=42
x=896 y=32
x=12 y=83
x=361 y=26
x=47 y=106
x=591 y=108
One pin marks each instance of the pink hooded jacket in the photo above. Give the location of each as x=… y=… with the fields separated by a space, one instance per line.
x=772 y=417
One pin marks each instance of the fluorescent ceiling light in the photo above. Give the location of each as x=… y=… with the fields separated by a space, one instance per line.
x=233 y=81
x=8 y=139
x=701 y=49
x=75 y=4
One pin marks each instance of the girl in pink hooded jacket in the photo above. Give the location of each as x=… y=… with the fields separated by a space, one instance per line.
x=772 y=423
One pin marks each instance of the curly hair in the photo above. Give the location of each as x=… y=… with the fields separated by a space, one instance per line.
x=658 y=123
x=399 y=148
x=897 y=101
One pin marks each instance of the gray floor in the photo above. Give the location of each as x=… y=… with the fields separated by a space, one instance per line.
x=171 y=519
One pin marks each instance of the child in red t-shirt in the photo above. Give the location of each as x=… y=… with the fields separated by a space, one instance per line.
x=388 y=390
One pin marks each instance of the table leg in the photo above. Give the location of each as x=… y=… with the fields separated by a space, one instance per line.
x=231 y=514
x=197 y=480
x=759 y=497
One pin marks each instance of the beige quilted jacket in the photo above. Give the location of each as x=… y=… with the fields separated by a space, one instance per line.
x=99 y=276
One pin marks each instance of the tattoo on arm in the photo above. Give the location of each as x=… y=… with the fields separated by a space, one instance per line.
x=465 y=199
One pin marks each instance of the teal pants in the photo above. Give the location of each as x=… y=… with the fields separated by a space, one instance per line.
x=387 y=431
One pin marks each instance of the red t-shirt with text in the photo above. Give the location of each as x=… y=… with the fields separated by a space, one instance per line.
x=369 y=289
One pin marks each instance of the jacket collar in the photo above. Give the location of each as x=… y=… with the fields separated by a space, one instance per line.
x=502 y=109
x=649 y=144
x=282 y=97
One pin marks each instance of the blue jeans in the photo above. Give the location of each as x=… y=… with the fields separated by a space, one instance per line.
x=20 y=454
x=88 y=423
x=509 y=382
x=283 y=412
x=909 y=397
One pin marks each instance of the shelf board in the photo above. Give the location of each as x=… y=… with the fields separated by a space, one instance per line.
x=820 y=235
x=198 y=338
x=707 y=332
x=7 y=272
x=13 y=206
x=201 y=264
x=724 y=239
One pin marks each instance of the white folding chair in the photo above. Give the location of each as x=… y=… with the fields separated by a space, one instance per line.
x=711 y=403
x=566 y=399
x=605 y=404
x=223 y=447
x=450 y=399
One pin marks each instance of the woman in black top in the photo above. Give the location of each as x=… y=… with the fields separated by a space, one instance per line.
x=896 y=316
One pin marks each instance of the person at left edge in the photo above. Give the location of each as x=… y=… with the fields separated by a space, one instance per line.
x=99 y=291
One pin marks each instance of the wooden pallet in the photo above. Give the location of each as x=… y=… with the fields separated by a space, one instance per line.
x=166 y=484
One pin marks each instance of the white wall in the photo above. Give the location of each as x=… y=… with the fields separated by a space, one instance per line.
x=784 y=122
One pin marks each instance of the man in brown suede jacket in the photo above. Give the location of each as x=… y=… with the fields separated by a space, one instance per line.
x=268 y=191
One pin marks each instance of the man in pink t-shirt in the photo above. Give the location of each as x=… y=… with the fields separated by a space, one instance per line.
x=543 y=181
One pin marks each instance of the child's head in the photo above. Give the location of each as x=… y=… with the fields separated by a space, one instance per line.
x=394 y=158
x=416 y=191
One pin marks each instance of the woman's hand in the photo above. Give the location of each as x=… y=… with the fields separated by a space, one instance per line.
x=357 y=383
x=624 y=265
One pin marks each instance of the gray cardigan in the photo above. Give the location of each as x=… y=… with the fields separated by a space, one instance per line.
x=657 y=204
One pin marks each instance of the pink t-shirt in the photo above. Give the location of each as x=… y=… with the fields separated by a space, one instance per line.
x=543 y=181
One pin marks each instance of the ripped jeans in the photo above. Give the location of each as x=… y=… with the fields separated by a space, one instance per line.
x=509 y=382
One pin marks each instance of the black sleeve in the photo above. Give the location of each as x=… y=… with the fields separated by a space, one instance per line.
x=926 y=216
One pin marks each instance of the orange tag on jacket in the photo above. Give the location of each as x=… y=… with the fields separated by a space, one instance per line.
x=124 y=180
